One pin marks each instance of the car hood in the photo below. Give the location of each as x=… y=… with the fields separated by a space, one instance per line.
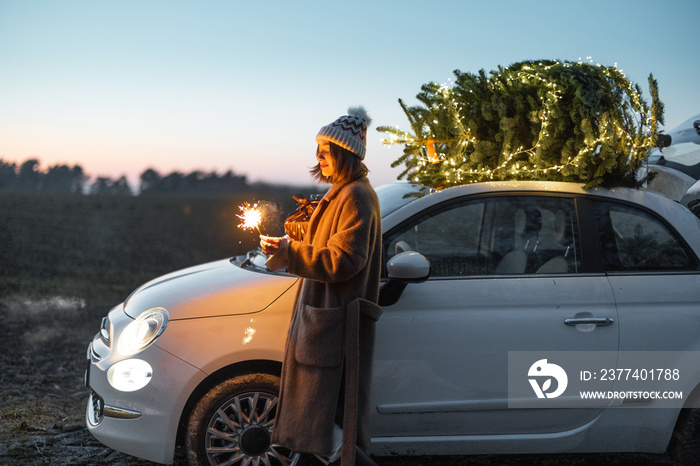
x=213 y=289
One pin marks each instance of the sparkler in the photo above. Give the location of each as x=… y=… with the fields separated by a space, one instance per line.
x=251 y=217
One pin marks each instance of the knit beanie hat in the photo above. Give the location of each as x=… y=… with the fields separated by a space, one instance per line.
x=349 y=131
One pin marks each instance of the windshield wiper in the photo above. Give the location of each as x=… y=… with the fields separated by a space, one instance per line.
x=249 y=257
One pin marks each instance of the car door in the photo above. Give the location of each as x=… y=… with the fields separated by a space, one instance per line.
x=506 y=272
x=655 y=279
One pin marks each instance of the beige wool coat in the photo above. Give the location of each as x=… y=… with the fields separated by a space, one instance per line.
x=327 y=369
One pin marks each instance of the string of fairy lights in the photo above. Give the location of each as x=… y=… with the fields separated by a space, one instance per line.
x=450 y=154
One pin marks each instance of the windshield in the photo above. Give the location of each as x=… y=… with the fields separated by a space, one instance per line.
x=396 y=195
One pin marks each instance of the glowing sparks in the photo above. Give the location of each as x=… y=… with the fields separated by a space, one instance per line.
x=251 y=217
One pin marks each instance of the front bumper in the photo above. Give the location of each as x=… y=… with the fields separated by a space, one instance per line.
x=142 y=423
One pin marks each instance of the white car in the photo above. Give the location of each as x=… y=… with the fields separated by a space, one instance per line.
x=502 y=301
x=676 y=168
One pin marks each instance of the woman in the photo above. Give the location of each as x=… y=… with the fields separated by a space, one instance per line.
x=326 y=373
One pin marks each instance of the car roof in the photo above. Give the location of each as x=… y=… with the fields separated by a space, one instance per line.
x=676 y=214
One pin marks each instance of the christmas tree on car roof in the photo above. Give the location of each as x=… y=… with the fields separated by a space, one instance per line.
x=534 y=120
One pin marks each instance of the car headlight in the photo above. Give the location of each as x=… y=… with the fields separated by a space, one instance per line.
x=143 y=331
x=130 y=375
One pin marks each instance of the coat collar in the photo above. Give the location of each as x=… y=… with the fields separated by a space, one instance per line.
x=337 y=187
x=331 y=194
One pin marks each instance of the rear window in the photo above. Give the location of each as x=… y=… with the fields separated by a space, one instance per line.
x=633 y=240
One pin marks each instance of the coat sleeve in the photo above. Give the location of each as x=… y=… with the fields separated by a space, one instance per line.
x=347 y=249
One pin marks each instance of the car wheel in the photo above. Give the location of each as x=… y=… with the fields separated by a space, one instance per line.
x=685 y=442
x=233 y=422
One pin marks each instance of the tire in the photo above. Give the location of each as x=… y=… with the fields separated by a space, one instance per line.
x=232 y=424
x=685 y=442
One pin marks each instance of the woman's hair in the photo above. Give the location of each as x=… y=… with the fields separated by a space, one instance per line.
x=348 y=166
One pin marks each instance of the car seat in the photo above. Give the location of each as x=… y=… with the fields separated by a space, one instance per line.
x=526 y=228
x=560 y=263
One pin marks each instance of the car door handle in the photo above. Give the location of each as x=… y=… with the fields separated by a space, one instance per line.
x=599 y=321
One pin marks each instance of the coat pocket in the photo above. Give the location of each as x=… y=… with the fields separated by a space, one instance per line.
x=320 y=336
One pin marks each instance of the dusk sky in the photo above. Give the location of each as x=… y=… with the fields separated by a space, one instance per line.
x=120 y=86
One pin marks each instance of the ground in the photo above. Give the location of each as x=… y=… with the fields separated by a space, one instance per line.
x=42 y=395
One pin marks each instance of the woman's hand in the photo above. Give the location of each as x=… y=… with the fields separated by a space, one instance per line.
x=271 y=244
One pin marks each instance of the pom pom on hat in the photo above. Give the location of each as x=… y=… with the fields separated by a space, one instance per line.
x=349 y=131
x=360 y=112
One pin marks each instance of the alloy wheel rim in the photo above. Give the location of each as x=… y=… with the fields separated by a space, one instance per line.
x=239 y=432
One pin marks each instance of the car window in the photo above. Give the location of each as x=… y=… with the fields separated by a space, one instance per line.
x=494 y=236
x=633 y=240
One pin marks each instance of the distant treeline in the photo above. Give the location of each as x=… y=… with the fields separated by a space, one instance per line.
x=28 y=176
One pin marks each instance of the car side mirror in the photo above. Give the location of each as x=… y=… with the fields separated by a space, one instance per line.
x=408 y=266
x=404 y=268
